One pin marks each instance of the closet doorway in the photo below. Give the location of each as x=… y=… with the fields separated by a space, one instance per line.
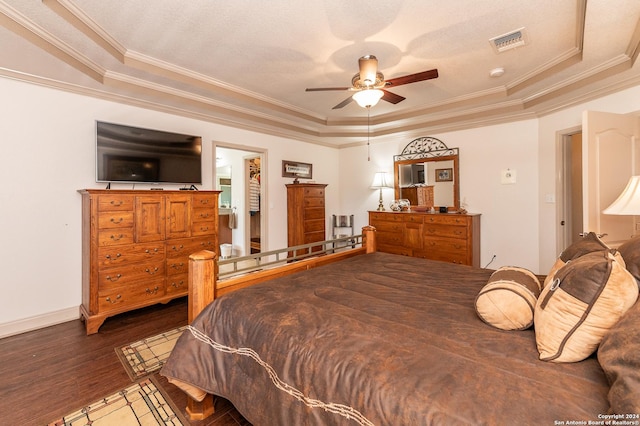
x=243 y=170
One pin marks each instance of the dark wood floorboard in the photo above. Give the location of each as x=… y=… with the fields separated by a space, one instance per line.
x=47 y=373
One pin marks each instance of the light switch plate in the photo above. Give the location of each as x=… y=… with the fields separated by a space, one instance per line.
x=508 y=177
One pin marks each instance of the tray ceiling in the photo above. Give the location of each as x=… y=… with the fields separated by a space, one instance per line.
x=247 y=63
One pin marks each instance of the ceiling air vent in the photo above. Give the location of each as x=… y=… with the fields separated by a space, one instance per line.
x=508 y=41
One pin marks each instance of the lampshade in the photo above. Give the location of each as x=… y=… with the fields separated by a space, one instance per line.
x=381 y=180
x=368 y=97
x=627 y=203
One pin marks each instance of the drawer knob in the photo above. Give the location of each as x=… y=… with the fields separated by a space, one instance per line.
x=177 y=248
x=155 y=250
x=204 y=228
x=151 y=271
x=154 y=291
x=117 y=237
x=177 y=266
x=205 y=201
x=204 y=215
x=117 y=256
x=116 y=203
x=116 y=221
x=118 y=297
x=178 y=285
x=114 y=279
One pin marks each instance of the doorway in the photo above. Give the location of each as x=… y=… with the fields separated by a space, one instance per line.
x=234 y=164
x=570 y=200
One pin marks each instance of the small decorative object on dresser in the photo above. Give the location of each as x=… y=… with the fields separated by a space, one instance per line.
x=136 y=247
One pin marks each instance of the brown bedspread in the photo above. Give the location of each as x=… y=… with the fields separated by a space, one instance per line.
x=378 y=339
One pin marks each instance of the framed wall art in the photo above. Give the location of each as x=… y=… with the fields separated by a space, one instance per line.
x=444 y=175
x=295 y=169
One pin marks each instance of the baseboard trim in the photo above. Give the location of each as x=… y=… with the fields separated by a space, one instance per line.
x=39 y=321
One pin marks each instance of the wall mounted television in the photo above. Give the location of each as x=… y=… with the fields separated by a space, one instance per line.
x=137 y=155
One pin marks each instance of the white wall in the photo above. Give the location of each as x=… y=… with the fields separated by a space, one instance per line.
x=48 y=153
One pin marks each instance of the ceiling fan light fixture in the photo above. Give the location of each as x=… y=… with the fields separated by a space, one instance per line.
x=368 y=98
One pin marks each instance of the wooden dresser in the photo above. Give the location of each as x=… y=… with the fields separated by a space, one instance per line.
x=438 y=236
x=305 y=214
x=136 y=247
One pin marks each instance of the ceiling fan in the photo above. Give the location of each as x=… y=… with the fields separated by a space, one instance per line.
x=369 y=84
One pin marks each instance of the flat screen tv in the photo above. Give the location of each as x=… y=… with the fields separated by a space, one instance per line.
x=133 y=154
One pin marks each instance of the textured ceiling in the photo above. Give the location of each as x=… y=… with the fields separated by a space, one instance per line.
x=247 y=62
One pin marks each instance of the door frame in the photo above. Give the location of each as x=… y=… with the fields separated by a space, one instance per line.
x=262 y=153
x=563 y=193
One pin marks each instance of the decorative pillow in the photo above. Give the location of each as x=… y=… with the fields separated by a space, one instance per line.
x=508 y=300
x=587 y=244
x=586 y=298
x=619 y=356
x=630 y=252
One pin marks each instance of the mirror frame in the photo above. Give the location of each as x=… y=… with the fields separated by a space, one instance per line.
x=426 y=149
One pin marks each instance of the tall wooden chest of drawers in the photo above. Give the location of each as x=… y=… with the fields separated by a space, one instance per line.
x=438 y=236
x=136 y=247
x=305 y=214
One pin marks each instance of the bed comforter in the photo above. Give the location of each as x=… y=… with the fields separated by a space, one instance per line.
x=378 y=339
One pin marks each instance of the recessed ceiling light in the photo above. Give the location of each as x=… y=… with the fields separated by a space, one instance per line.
x=496 y=72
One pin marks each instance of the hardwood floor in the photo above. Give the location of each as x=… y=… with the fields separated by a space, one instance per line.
x=47 y=373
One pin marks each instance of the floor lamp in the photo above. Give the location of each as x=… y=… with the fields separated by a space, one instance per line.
x=381 y=180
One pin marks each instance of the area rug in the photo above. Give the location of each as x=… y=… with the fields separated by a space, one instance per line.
x=143 y=403
x=147 y=356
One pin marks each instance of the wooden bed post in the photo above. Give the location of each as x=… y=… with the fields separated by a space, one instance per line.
x=203 y=268
x=369 y=238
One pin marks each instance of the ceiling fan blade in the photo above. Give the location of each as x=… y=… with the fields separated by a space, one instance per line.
x=392 y=97
x=343 y=103
x=322 y=89
x=413 y=78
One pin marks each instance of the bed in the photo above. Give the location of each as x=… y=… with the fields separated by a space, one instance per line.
x=383 y=339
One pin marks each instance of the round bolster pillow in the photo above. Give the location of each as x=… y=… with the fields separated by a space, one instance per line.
x=509 y=298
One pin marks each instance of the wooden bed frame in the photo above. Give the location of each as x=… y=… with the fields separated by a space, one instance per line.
x=203 y=270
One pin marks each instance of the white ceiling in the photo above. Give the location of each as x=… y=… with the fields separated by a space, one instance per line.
x=247 y=62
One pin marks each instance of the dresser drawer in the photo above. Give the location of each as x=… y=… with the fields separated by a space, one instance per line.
x=447 y=219
x=119 y=298
x=204 y=214
x=385 y=217
x=188 y=246
x=112 y=237
x=314 y=192
x=209 y=227
x=395 y=249
x=314 y=225
x=177 y=285
x=445 y=245
x=314 y=202
x=122 y=255
x=203 y=200
x=450 y=231
x=115 y=277
x=111 y=202
x=178 y=265
x=115 y=219
x=383 y=237
x=388 y=227
x=313 y=237
x=313 y=213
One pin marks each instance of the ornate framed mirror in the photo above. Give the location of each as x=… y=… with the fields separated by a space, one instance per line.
x=427 y=174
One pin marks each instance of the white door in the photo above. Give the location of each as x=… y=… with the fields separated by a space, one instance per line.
x=610 y=157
